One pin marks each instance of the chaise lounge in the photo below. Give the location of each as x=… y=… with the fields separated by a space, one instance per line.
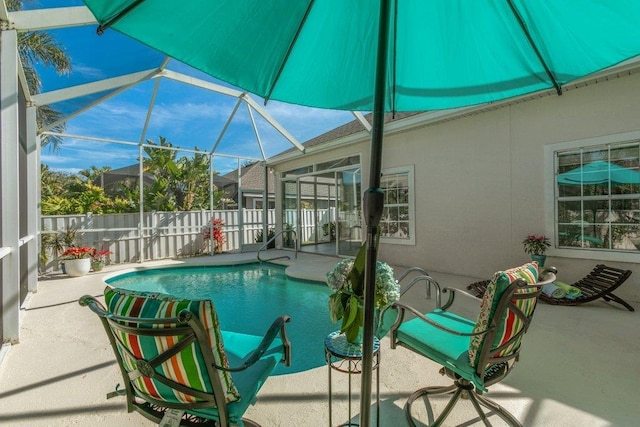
x=599 y=283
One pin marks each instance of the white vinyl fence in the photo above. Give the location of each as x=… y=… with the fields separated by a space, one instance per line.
x=311 y=223
x=166 y=234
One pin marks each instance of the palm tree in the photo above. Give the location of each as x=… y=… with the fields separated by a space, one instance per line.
x=40 y=47
x=193 y=181
x=93 y=173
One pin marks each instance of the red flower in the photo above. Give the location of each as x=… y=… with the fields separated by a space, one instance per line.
x=536 y=244
x=218 y=231
x=78 y=253
x=99 y=255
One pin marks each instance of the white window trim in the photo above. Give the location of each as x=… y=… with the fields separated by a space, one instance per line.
x=549 y=196
x=412 y=207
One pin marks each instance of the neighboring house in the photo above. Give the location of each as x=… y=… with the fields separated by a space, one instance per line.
x=127 y=176
x=464 y=187
x=251 y=186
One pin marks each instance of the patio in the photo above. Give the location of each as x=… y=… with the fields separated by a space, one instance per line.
x=579 y=365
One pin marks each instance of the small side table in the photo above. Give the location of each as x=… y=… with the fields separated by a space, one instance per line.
x=345 y=357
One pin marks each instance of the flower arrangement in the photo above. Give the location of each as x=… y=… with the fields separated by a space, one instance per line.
x=536 y=244
x=218 y=234
x=346 y=279
x=76 y=252
x=100 y=255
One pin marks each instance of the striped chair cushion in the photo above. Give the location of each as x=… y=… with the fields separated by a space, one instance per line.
x=510 y=324
x=188 y=366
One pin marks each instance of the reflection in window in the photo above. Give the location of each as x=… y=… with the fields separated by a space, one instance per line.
x=598 y=197
x=397 y=219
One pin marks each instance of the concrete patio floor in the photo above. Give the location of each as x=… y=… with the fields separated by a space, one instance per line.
x=579 y=366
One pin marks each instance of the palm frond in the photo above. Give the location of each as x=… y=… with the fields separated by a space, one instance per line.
x=40 y=47
x=46 y=115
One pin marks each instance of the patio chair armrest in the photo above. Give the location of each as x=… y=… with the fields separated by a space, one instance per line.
x=418 y=270
x=276 y=328
x=95 y=305
x=402 y=308
x=452 y=295
x=428 y=282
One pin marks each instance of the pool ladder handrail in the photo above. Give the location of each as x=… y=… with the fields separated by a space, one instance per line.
x=295 y=246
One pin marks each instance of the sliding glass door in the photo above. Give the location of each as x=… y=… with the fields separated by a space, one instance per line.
x=325 y=208
x=349 y=225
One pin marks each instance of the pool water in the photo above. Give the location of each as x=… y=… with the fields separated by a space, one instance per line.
x=247 y=298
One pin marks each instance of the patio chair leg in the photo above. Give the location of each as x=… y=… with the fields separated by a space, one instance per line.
x=433 y=391
x=499 y=410
x=460 y=389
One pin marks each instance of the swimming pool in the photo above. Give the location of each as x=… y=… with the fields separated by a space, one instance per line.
x=247 y=298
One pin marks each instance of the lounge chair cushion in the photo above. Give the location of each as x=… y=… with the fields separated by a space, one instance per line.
x=510 y=324
x=156 y=305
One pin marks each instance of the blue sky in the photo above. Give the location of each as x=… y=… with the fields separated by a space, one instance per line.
x=186 y=116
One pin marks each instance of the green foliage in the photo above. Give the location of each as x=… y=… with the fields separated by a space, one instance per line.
x=270 y=233
x=329 y=229
x=178 y=184
x=356 y=275
x=56 y=243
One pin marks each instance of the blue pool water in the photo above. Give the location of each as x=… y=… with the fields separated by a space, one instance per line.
x=248 y=298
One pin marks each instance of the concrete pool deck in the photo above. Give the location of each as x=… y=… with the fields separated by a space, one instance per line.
x=579 y=365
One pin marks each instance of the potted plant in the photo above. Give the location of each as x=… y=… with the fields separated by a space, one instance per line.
x=218 y=234
x=536 y=245
x=55 y=243
x=270 y=233
x=98 y=258
x=77 y=260
x=329 y=229
x=346 y=303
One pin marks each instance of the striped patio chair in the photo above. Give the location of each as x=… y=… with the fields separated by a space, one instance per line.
x=174 y=363
x=475 y=354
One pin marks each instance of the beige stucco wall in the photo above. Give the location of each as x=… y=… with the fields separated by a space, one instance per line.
x=479 y=180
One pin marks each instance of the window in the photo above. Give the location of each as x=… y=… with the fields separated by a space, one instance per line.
x=398 y=218
x=597 y=197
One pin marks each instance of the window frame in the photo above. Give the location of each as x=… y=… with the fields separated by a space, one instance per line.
x=410 y=171
x=550 y=197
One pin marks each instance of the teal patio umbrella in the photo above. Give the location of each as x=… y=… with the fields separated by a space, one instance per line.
x=384 y=56
x=599 y=172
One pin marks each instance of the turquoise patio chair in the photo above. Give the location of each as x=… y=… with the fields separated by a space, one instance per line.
x=174 y=363
x=475 y=354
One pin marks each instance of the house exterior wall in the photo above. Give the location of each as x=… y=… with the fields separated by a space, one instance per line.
x=480 y=180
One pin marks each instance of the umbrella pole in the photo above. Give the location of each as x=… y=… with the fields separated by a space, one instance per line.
x=373 y=203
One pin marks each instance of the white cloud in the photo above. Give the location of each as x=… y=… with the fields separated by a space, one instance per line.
x=88 y=71
x=53 y=159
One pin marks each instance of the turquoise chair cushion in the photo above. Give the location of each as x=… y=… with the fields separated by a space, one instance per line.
x=248 y=382
x=445 y=348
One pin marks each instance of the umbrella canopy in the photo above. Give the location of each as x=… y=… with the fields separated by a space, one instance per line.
x=441 y=53
x=599 y=172
x=386 y=55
